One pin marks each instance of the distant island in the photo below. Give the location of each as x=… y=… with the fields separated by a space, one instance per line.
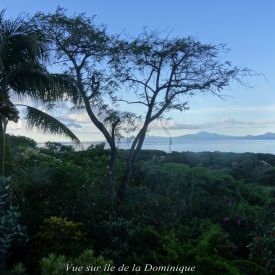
x=209 y=136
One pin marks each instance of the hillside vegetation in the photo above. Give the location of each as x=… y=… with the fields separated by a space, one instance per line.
x=214 y=210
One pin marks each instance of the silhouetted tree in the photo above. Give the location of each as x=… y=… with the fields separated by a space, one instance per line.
x=83 y=50
x=158 y=74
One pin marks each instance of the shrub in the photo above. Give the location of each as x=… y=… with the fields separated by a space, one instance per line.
x=58 y=265
x=60 y=235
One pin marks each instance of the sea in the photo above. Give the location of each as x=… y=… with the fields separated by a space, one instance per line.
x=236 y=146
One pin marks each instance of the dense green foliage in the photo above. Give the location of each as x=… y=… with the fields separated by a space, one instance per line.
x=214 y=210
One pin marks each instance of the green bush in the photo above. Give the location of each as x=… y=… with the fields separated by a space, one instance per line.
x=207 y=247
x=59 y=265
x=262 y=249
x=59 y=235
x=11 y=231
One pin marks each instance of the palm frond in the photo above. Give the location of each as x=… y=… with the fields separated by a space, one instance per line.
x=47 y=123
x=63 y=84
x=22 y=39
x=33 y=80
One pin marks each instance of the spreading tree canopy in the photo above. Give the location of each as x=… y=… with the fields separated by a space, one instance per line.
x=155 y=73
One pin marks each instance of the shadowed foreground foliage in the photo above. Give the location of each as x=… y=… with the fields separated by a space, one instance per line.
x=214 y=210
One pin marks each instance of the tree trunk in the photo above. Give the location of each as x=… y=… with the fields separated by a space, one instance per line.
x=126 y=179
x=3 y=128
x=112 y=176
x=130 y=165
x=2 y=125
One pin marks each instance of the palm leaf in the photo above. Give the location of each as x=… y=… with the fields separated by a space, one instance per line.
x=64 y=85
x=48 y=124
x=22 y=37
x=29 y=79
x=32 y=79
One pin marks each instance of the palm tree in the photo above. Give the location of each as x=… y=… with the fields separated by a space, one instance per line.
x=23 y=73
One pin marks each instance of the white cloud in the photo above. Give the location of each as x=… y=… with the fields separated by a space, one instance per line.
x=244 y=109
x=77 y=117
x=19 y=126
x=225 y=122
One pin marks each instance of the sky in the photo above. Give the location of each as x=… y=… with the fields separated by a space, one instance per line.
x=246 y=27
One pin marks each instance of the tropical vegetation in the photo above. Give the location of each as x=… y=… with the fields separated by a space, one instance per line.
x=68 y=211
x=198 y=209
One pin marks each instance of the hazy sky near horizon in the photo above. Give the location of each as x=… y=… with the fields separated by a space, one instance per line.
x=247 y=27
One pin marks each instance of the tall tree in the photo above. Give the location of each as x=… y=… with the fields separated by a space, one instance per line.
x=83 y=50
x=154 y=73
x=161 y=74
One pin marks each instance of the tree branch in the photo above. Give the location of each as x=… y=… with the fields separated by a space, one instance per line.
x=94 y=87
x=132 y=102
x=142 y=83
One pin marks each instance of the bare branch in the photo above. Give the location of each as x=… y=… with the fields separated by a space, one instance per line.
x=132 y=102
x=141 y=82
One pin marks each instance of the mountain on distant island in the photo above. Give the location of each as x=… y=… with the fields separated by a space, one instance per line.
x=210 y=136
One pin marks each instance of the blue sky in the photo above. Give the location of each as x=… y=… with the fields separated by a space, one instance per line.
x=247 y=27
